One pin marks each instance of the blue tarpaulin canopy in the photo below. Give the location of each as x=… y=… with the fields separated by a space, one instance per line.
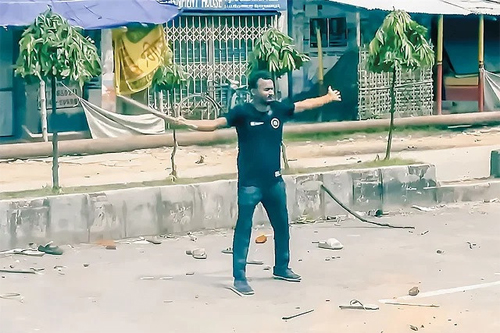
x=89 y=14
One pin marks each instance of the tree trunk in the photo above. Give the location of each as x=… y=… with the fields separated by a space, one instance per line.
x=391 y=126
x=55 y=137
x=160 y=101
x=174 y=150
x=43 y=111
x=285 y=158
x=172 y=157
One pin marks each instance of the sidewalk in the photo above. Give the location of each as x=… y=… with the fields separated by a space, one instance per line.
x=457 y=157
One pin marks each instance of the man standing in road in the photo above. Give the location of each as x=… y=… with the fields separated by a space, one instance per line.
x=259 y=125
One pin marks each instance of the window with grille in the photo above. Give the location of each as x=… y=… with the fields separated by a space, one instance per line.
x=333 y=32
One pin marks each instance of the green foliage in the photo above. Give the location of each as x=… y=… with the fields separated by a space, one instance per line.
x=169 y=75
x=275 y=52
x=400 y=42
x=50 y=47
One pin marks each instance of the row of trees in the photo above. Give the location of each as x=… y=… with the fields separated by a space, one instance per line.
x=51 y=50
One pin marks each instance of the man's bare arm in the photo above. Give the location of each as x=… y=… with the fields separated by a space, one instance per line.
x=312 y=103
x=203 y=125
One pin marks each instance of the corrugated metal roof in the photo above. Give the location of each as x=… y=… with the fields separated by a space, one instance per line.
x=447 y=7
x=487 y=7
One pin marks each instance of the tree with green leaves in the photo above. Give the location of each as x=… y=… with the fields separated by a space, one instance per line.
x=400 y=44
x=276 y=53
x=52 y=50
x=168 y=76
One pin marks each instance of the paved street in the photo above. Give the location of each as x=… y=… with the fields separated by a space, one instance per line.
x=376 y=263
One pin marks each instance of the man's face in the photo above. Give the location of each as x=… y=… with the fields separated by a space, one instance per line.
x=265 y=91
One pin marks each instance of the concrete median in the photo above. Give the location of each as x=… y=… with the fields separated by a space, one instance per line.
x=179 y=209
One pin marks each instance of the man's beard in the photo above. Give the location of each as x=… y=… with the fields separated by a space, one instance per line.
x=269 y=101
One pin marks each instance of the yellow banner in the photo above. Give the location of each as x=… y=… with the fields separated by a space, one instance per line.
x=138 y=53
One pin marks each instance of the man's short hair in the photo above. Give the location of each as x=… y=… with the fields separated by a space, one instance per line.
x=256 y=76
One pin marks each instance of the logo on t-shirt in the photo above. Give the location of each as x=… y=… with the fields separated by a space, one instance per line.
x=275 y=123
x=256 y=123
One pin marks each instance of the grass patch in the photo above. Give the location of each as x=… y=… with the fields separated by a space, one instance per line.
x=423 y=131
x=48 y=191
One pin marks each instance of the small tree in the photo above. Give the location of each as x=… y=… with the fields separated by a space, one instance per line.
x=276 y=53
x=52 y=50
x=399 y=44
x=169 y=76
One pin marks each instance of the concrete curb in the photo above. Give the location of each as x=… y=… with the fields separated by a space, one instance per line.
x=144 y=211
x=478 y=191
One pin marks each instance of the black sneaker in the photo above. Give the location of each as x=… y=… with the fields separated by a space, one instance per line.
x=243 y=287
x=287 y=275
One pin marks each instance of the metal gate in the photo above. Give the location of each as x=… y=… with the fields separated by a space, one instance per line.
x=213 y=49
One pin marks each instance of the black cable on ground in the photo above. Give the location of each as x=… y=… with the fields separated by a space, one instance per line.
x=359 y=217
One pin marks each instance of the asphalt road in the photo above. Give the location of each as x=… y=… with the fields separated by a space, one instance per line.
x=111 y=294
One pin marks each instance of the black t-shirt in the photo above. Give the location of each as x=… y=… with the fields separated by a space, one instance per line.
x=259 y=141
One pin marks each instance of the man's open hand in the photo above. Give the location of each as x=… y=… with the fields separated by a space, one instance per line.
x=181 y=121
x=333 y=95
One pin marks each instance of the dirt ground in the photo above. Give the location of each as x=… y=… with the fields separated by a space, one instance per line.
x=199 y=161
x=147 y=288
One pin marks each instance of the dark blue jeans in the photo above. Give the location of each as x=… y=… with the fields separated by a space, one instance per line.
x=273 y=199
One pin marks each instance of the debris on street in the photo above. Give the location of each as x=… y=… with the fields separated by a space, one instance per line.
x=12 y=296
x=413 y=291
x=51 y=249
x=151 y=278
x=108 y=244
x=60 y=269
x=27 y=252
x=471 y=245
x=377 y=213
x=422 y=209
x=411 y=304
x=201 y=160
x=330 y=244
x=228 y=250
x=298 y=314
x=199 y=253
x=192 y=237
x=21 y=271
x=336 y=218
x=357 y=305
x=261 y=239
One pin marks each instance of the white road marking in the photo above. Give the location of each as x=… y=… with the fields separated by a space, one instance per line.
x=444 y=291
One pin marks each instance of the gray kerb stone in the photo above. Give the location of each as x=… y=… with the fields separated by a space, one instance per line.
x=181 y=208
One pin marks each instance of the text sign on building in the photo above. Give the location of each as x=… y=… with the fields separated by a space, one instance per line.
x=65 y=99
x=230 y=4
